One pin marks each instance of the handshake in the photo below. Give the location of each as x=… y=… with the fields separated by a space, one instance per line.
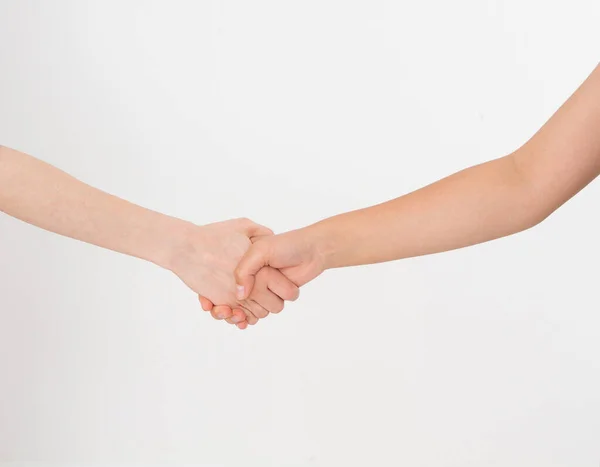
x=239 y=269
x=242 y=272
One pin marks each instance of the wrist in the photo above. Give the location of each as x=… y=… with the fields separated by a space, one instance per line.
x=173 y=240
x=326 y=242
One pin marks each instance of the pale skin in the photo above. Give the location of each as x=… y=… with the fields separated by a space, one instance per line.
x=203 y=257
x=482 y=203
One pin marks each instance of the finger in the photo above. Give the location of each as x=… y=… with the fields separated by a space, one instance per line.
x=263 y=297
x=221 y=312
x=243 y=325
x=268 y=303
x=235 y=322
x=237 y=317
x=250 y=318
x=252 y=229
x=248 y=315
x=256 y=308
x=280 y=285
x=205 y=303
x=255 y=258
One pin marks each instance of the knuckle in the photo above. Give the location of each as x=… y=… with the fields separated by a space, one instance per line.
x=240 y=274
x=245 y=221
x=237 y=274
x=263 y=276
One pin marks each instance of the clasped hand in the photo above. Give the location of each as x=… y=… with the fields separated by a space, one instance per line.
x=242 y=272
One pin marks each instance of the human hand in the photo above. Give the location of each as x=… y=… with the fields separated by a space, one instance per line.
x=267 y=279
x=298 y=254
x=236 y=316
x=205 y=261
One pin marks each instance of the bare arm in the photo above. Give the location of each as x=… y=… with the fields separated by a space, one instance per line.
x=47 y=197
x=204 y=257
x=482 y=203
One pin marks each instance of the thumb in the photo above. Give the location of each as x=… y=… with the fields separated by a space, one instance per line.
x=252 y=229
x=253 y=261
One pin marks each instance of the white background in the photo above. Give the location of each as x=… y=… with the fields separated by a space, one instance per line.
x=288 y=112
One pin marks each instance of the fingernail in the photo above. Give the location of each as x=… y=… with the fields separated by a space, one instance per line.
x=240 y=292
x=220 y=316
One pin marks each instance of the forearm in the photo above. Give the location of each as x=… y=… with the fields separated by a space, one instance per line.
x=479 y=204
x=476 y=205
x=43 y=195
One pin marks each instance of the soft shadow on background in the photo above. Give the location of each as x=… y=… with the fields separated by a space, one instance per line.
x=288 y=112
